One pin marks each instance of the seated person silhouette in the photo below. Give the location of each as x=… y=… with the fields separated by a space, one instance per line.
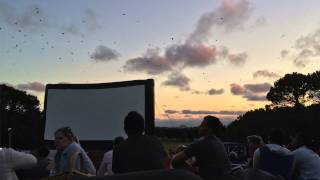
x=105 y=167
x=41 y=170
x=10 y=160
x=307 y=161
x=274 y=158
x=209 y=152
x=138 y=152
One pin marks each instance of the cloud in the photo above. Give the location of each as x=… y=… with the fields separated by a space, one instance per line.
x=254 y=97
x=151 y=63
x=229 y=16
x=170 y=111
x=71 y=29
x=196 y=92
x=188 y=122
x=179 y=80
x=34 y=18
x=251 y=92
x=33 y=86
x=215 y=91
x=223 y=52
x=258 y=88
x=231 y=112
x=7 y=84
x=90 y=19
x=238 y=59
x=195 y=52
x=284 y=53
x=180 y=56
x=261 y=22
x=306 y=49
x=236 y=89
x=191 y=55
x=177 y=56
x=265 y=73
x=7 y=13
x=31 y=18
x=206 y=112
x=309 y=41
x=303 y=58
x=189 y=117
x=103 y=53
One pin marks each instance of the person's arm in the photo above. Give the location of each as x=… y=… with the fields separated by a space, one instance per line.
x=103 y=167
x=22 y=160
x=256 y=158
x=179 y=161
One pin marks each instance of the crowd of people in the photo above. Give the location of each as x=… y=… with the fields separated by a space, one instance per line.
x=206 y=157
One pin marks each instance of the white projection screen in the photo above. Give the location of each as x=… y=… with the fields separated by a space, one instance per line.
x=95 y=112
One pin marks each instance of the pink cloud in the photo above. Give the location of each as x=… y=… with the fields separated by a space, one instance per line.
x=33 y=86
x=236 y=89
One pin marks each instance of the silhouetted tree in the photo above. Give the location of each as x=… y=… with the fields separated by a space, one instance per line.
x=20 y=112
x=262 y=121
x=314 y=79
x=290 y=90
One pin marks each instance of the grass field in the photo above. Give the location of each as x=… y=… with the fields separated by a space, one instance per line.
x=173 y=144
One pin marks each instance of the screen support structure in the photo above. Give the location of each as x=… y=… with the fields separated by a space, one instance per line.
x=2 y=128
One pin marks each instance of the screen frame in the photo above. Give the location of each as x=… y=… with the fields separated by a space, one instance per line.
x=99 y=144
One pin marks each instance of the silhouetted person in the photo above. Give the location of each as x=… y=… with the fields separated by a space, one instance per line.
x=307 y=160
x=138 y=152
x=254 y=142
x=39 y=171
x=209 y=152
x=106 y=163
x=273 y=157
x=11 y=160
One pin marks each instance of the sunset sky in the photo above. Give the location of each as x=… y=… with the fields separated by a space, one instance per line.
x=206 y=56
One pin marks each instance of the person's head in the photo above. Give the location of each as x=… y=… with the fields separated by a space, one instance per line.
x=210 y=125
x=117 y=141
x=64 y=137
x=304 y=139
x=133 y=123
x=254 y=141
x=276 y=137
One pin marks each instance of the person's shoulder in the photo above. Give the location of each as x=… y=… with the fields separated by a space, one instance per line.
x=10 y=151
x=4 y=149
x=73 y=147
x=300 y=150
x=198 y=142
x=108 y=153
x=6 y=152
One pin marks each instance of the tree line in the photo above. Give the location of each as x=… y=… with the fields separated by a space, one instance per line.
x=295 y=106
